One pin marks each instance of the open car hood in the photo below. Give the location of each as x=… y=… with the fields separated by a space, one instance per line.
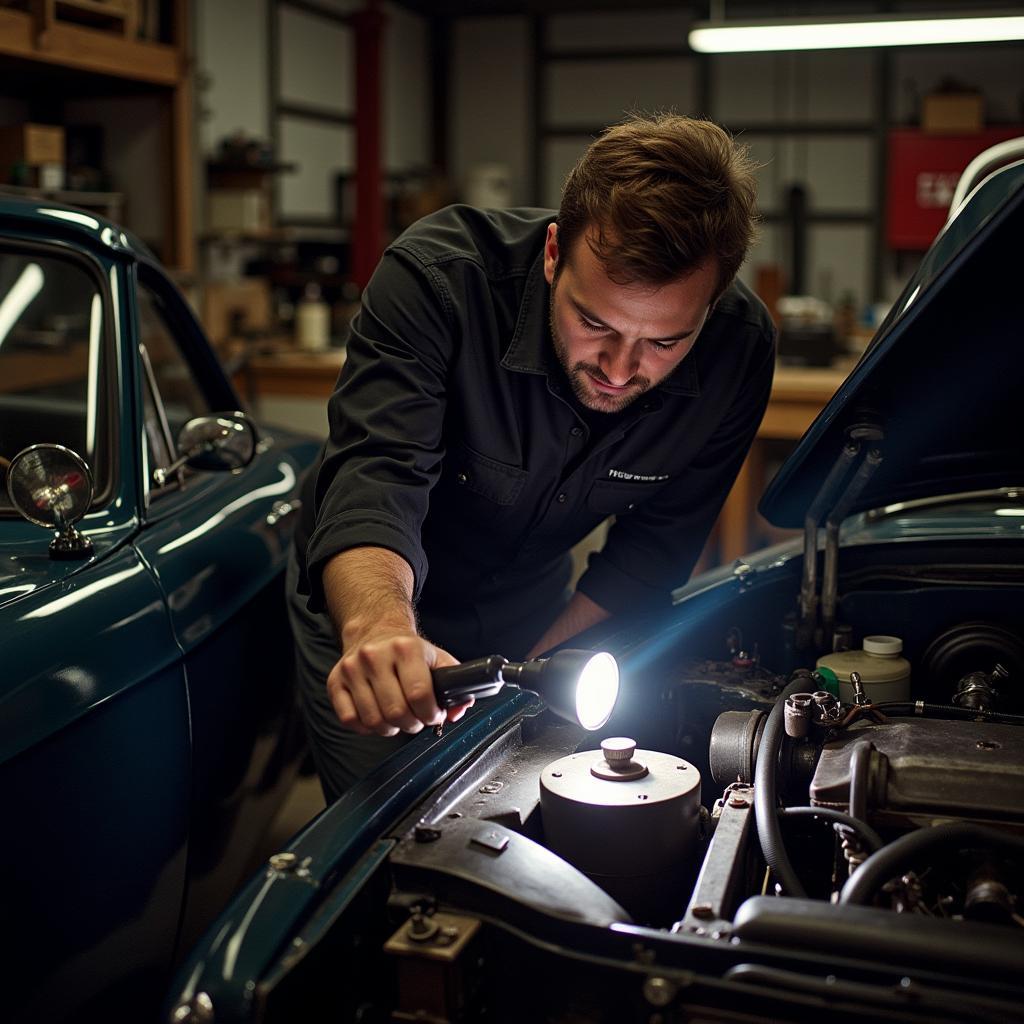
x=941 y=378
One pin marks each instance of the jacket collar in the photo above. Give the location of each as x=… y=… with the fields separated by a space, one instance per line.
x=531 y=350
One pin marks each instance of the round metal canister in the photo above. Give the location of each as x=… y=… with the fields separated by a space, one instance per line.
x=630 y=819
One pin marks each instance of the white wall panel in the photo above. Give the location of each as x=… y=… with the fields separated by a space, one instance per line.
x=602 y=92
x=321 y=152
x=231 y=52
x=317 y=61
x=765 y=88
x=839 y=85
x=560 y=155
x=767 y=152
x=746 y=89
x=839 y=262
x=632 y=30
x=767 y=250
x=407 y=96
x=490 y=96
x=840 y=172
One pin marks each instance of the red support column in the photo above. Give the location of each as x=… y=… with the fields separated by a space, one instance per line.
x=368 y=230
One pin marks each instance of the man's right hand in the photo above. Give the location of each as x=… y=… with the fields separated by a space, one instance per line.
x=382 y=684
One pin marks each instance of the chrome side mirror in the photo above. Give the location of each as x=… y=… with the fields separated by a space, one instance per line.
x=51 y=486
x=223 y=441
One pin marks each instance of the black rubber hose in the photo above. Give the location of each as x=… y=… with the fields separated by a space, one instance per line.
x=769 y=833
x=862 y=828
x=860 y=762
x=894 y=859
x=900 y=708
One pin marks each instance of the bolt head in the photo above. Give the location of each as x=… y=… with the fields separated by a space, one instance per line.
x=659 y=991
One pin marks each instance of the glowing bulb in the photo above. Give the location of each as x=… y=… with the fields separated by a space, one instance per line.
x=597 y=690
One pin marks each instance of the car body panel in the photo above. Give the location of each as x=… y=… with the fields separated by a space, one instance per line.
x=249 y=936
x=147 y=727
x=96 y=775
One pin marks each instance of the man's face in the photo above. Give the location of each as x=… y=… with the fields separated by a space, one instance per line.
x=616 y=341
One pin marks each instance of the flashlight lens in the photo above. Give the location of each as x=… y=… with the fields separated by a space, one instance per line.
x=597 y=690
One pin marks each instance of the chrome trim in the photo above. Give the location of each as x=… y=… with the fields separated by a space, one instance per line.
x=873 y=515
x=165 y=427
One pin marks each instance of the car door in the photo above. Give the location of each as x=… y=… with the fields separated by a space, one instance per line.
x=217 y=543
x=94 y=743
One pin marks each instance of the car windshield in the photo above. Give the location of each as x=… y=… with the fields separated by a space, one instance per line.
x=51 y=342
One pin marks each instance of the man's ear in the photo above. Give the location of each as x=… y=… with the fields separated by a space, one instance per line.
x=551 y=253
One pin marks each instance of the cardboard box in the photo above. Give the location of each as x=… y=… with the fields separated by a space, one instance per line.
x=233 y=307
x=953 y=113
x=237 y=209
x=30 y=144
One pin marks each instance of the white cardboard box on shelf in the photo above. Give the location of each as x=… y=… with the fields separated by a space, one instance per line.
x=237 y=209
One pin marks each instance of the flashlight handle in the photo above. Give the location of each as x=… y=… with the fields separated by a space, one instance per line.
x=456 y=684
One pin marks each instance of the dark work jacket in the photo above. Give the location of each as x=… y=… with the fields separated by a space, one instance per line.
x=456 y=443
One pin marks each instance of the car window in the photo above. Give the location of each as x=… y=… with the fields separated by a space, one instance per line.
x=51 y=360
x=176 y=384
x=171 y=387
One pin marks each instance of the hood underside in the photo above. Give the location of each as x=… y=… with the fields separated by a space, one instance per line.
x=941 y=379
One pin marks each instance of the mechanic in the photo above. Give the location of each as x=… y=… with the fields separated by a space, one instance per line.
x=513 y=379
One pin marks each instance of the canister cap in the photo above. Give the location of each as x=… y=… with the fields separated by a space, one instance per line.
x=883 y=645
x=618 y=748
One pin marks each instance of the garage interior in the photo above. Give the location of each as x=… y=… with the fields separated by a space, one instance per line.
x=267 y=151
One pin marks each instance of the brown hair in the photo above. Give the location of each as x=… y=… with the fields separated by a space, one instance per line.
x=663 y=194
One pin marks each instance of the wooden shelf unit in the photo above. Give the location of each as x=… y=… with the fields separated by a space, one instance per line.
x=38 y=37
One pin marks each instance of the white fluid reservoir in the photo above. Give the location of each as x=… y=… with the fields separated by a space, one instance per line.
x=883 y=671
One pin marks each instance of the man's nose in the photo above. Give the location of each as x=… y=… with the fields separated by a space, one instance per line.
x=619 y=363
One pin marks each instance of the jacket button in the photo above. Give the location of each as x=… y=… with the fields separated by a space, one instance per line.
x=462 y=478
x=576 y=431
x=631 y=506
x=562 y=498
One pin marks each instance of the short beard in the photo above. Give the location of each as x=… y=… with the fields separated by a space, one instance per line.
x=577 y=374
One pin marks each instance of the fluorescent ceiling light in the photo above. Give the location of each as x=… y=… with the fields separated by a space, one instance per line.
x=848 y=33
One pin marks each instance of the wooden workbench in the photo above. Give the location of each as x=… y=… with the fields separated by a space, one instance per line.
x=798 y=395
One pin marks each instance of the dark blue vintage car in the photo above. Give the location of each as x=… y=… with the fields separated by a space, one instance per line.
x=809 y=803
x=146 y=725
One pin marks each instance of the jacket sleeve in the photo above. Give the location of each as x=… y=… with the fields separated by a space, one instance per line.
x=385 y=418
x=652 y=551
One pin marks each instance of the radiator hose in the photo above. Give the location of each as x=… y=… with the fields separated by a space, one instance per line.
x=894 y=859
x=769 y=832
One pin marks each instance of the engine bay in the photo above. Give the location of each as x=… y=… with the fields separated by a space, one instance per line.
x=566 y=876
x=559 y=877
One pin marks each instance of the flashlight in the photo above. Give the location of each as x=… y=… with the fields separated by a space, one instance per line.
x=581 y=686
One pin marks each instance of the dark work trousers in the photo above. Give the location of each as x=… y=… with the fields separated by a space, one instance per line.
x=341 y=756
